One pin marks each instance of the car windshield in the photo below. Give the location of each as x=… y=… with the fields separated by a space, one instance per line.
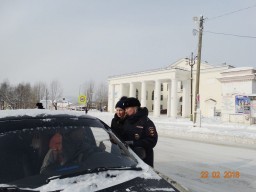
x=37 y=151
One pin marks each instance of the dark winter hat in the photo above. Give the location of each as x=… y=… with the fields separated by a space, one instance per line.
x=132 y=102
x=120 y=103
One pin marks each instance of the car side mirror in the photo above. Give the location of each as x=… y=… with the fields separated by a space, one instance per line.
x=140 y=151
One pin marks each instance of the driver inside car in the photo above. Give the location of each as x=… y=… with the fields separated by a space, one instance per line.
x=73 y=147
x=55 y=152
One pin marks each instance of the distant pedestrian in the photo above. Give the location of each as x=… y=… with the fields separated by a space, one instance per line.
x=39 y=106
x=139 y=131
x=119 y=118
x=86 y=110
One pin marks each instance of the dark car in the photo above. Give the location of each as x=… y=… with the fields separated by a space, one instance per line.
x=45 y=150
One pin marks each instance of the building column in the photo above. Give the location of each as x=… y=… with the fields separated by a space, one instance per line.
x=111 y=93
x=169 y=99
x=174 y=103
x=157 y=94
x=132 y=90
x=185 y=99
x=143 y=94
x=121 y=90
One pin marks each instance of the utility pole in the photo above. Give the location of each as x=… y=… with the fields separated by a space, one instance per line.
x=46 y=98
x=198 y=66
x=191 y=63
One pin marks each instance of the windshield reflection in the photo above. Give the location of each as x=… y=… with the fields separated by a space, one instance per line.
x=49 y=151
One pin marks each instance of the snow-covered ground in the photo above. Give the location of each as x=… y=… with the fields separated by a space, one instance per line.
x=204 y=167
x=211 y=130
x=187 y=161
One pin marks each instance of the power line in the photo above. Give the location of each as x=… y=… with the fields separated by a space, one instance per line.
x=232 y=12
x=244 y=36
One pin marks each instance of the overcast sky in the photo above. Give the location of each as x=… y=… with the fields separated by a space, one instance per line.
x=75 y=41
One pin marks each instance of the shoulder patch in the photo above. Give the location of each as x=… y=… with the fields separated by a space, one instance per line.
x=152 y=131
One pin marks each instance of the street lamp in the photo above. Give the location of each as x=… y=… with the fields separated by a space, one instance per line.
x=191 y=63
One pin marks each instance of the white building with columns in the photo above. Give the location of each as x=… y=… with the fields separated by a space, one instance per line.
x=169 y=89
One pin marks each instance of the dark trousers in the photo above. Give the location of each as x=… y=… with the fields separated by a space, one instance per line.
x=149 y=159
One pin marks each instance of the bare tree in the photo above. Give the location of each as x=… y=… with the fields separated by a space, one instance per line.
x=55 y=92
x=23 y=96
x=101 y=95
x=88 y=89
x=39 y=91
x=6 y=94
x=16 y=97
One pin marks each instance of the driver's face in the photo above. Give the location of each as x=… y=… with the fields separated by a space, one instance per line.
x=56 y=142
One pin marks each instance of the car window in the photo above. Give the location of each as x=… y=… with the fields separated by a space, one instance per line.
x=44 y=151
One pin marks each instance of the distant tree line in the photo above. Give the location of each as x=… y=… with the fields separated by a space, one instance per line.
x=25 y=95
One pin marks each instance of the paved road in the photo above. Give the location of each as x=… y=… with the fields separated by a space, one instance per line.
x=203 y=167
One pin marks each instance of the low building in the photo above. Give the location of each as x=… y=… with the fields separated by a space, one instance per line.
x=171 y=90
x=62 y=104
x=238 y=85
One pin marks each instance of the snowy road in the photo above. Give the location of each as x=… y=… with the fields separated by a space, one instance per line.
x=188 y=161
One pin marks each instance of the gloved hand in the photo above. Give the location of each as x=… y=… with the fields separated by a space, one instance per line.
x=129 y=142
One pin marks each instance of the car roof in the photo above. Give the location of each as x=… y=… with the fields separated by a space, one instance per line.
x=12 y=120
x=19 y=113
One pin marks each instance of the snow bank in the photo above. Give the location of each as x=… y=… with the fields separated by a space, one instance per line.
x=211 y=130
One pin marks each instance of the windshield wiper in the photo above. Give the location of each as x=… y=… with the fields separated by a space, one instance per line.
x=14 y=189
x=96 y=170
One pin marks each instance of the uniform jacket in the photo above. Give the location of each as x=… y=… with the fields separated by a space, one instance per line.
x=117 y=126
x=142 y=131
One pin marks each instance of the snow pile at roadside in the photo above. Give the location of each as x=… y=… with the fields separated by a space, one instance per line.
x=211 y=130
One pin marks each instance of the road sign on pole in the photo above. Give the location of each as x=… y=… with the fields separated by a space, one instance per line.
x=82 y=99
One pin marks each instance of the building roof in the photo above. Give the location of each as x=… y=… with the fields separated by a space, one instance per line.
x=180 y=65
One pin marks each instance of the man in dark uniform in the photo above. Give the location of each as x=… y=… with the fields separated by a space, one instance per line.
x=138 y=130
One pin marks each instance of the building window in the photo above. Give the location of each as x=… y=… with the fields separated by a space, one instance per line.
x=162 y=87
x=152 y=96
x=181 y=85
x=167 y=87
x=152 y=107
x=161 y=107
x=137 y=94
x=146 y=95
x=162 y=97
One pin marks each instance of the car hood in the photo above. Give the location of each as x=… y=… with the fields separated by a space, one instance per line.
x=143 y=180
x=99 y=181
